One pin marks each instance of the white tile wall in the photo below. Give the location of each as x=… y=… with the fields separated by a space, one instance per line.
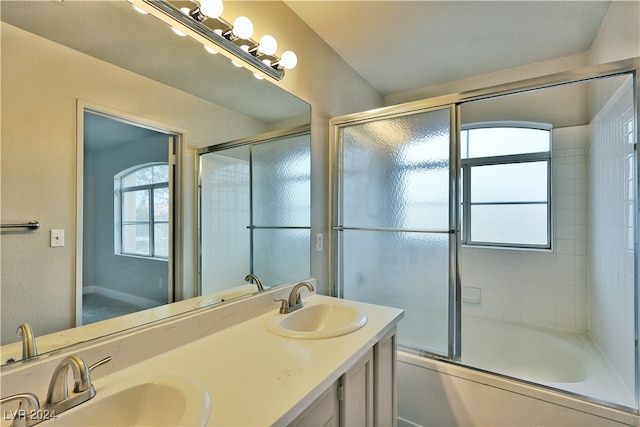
x=542 y=288
x=225 y=216
x=611 y=274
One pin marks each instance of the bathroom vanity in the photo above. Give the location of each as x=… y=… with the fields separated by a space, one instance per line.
x=228 y=368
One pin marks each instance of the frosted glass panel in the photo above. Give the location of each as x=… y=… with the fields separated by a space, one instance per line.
x=281 y=256
x=396 y=172
x=395 y=175
x=404 y=270
x=282 y=182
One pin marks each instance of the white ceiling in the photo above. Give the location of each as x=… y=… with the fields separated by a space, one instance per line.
x=399 y=46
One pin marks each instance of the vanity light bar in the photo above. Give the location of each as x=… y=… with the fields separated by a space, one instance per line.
x=223 y=38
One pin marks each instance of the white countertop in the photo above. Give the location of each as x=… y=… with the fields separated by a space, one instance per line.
x=79 y=334
x=258 y=378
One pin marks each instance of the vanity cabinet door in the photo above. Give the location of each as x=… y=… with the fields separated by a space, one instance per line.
x=356 y=393
x=324 y=411
x=365 y=395
x=385 y=389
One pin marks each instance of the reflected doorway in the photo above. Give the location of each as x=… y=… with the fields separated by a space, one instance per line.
x=127 y=217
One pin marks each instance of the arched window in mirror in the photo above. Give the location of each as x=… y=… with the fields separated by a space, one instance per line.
x=141 y=213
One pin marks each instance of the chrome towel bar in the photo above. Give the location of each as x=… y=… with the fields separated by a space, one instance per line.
x=31 y=225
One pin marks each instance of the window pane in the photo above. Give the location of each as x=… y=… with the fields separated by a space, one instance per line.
x=514 y=224
x=146 y=176
x=142 y=176
x=461 y=200
x=514 y=182
x=135 y=205
x=161 y=240
x=160 y=174
x=161 y=204
x=135 y=239
x=464 y=144
x=502 y=141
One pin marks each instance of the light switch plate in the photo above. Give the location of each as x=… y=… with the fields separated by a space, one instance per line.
x=57 y=238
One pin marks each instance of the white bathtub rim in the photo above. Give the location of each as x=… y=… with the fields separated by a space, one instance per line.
x=618 y=413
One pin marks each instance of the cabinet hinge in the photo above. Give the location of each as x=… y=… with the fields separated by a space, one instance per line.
x=340 y=392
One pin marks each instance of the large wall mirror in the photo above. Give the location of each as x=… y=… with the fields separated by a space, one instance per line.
x=83 y=79
x=254 y=204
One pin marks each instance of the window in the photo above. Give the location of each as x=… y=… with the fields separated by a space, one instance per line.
x=506 y=170
x=142 y=211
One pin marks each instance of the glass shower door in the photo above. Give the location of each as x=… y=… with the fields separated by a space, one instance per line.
x=393 y=221
x=280 y=208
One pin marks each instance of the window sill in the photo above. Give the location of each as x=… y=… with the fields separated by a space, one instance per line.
x=143 y=257
x=508 y=248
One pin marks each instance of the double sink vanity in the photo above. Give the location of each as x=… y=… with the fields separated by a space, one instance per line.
x=284 y=356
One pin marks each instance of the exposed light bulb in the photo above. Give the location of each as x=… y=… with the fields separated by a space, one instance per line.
x=211 y=50
x=185 y=10
x=268 y=45
x=211 y=8
x=242 y=27
x=288 y=60
x=178 y=32
x=137 y=9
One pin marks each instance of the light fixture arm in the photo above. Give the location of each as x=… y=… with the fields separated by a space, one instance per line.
x=195 y=22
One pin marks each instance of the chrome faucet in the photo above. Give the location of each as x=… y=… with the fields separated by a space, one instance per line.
x=253 y=277
x=295 y=300
x=22 y=417
x=29 y=349
x=58 y=399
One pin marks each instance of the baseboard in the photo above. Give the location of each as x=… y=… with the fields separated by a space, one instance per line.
x=121 y=296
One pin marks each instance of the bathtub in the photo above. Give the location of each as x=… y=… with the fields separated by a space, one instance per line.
x=508 y=362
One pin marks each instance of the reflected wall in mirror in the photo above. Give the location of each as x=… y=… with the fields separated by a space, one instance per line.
x=56 y=56
x=254 y=213
x=129 y=198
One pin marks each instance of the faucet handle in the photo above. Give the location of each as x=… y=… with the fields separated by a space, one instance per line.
x=29 y=348
x=100 y=363
x=284 y=305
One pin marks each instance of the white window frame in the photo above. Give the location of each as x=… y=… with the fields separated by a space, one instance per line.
x=467 y=163
x=119 y=223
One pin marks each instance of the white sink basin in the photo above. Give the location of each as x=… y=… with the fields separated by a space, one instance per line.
x=318 y=320
x=168 y=400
